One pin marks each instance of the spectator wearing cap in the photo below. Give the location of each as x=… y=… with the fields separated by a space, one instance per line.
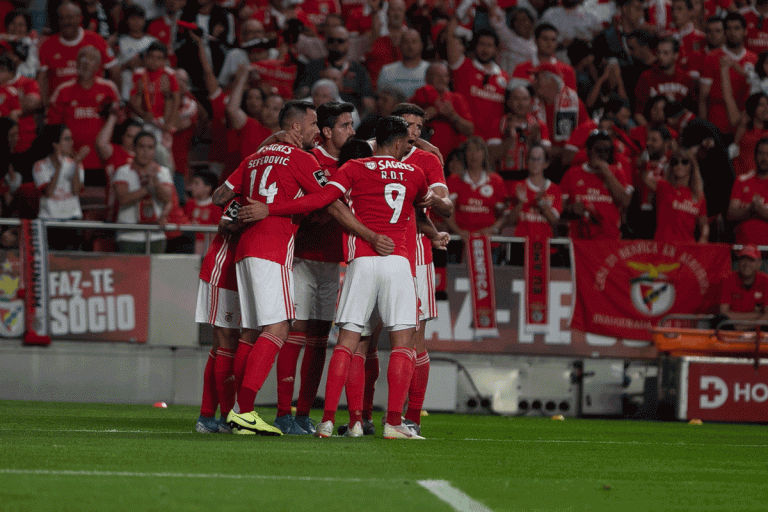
x=596 y=193
x=516 y=41
x=558 y=107
x=479 y=78
x=545 y=38
x=747 y=206
x=745 y=291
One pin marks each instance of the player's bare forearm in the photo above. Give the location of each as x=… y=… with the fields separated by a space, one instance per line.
x=383 y=245
x=222 y=195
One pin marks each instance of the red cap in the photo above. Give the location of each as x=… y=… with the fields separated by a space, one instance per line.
x=749 y=251
x=547 y=66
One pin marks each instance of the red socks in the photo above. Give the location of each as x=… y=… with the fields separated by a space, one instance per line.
x=210 y=398
x=241 y=359
x=355 y=386
x=225 y=380
x=371 y=376
x=286 y=371
x=260 y=362
x=338 y=369
x=418 y=388
x=311 y=372
x=399 y=375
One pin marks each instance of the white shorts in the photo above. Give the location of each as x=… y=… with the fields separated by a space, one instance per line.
x=217 y=306
x=266 y=292
x=381 y=282
x=425 y=286
x=316 y=288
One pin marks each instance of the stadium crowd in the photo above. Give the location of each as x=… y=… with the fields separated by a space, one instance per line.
x=592 y=119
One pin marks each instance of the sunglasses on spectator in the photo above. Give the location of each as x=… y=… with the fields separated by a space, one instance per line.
x=676 y=161
x=335 y=40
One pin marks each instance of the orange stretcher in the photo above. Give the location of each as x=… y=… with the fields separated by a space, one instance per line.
x=684 y=335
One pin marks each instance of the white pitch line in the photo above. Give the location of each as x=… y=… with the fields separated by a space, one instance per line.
x=453 y=496
x=63 y=472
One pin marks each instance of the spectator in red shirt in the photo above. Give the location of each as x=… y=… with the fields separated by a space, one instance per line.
x=384 y=49
x=712 y=105
x=546 y=48
x=596 y=193
x=448 y=114
x=653 y=162
x=164 y=28
x=479 y=194
x=748 y=206
x=681 y=210
x=200 y=209
x=745 y=291
x=756 y=128
x=666 y=79
x=155 y=96
x=80 y=104
x=58 y=53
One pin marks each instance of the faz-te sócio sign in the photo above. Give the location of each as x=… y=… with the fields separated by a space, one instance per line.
x=99 y=298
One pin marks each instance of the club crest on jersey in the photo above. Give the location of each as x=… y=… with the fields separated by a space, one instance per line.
x=486 y=190
x=370 y=165
x=320 y=177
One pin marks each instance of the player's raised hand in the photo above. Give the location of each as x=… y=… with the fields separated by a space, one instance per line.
x=252 y=212
x=383 y=245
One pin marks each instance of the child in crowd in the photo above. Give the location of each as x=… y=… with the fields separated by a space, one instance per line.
x=200 y=209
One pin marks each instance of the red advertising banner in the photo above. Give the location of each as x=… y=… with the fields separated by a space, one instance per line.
x=482 y=284
x=624 y=287
x=99 y=297
x=536 y=283
x=726 y=391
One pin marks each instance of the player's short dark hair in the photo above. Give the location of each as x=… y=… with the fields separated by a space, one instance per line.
x=8 y=63
x=208 y=177
x=328 y=113
x=543 y=27
x=144 y=133
x=156 y=46
x=661 y=130
x=353 y=149
x=735 y=16
x=669 y=39
x=405 y=109
x=389 y=129
x=291 y=109
x=485 y=32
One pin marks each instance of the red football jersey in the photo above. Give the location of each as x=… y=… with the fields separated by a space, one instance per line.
x=753 y=230
x=324 y=242
x=433 y=171
x=9 y=100
x=485 y=93
x=525 y=70
x=657 y=169
x=317 y=10
x=603 y=216
x=275 y=174
x=677 y=213
x=218 y=266
x=476 y=205
x=27 y=87
x=745 y=300
x=381 y=192
x=80 y=110
x=655 y=82
x=444 y=136
x=58 y=58
x=692 y=42
x=531 y=221
x=711 y=75
x=757 y=30
x=153 y=99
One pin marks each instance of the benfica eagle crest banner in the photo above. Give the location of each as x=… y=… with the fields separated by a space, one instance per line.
x=624 y=287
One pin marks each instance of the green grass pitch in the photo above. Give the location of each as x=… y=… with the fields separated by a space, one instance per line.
x=89 y=457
